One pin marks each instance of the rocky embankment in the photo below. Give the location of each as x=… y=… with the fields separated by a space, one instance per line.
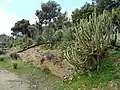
x=48 y=59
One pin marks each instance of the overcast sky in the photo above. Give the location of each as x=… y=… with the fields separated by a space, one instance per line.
x=13 y=10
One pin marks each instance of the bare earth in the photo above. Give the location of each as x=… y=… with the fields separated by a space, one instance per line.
x=10 y=81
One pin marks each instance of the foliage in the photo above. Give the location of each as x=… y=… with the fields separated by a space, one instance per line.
x=116 y=26
x=83 y=44
x=49 y=11
x=34 y=31
x=61 y=21
x=87 y=9
x=46 y=31
x=6 y=42
x=46 y=70
x=20 y=28
x=83 y=12
x=23 y=42
x=109 y=72
x=116 y=18
x=9 y=42
x=68 y=34
x=14 y=56
x=92 y=39
x=14 y=65
x=1 y=58
x=2 y=52
x=114 y=39
x=51 y=28
x=50 y=36
x=51 y=21
x=107 y=4
x=3 y=40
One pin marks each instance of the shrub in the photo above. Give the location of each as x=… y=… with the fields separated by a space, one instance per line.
x=14 y=56
x=1 y=58
x=14 y=65
x=2 y=52
x=114 y=39
x=46 y=70
x=49 y=55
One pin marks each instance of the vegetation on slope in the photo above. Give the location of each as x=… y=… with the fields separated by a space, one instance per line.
x=83 y=41
x=108 y=77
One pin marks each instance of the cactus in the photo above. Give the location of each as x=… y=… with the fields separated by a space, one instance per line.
x=92 y=38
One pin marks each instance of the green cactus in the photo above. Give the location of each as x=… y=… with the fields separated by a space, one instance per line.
x=92 y=38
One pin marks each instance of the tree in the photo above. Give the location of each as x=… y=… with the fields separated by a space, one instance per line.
x=48 y=12
x=51 y=21
x=34 y=31
x=61 y=21
x=107 y=4
x=6 y=41
x=87 y=10
x=83 y=12
x=21 y=28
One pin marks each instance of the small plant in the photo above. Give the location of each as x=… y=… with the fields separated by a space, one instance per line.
x=68 y=79
x=14 y=65
x=114 y=39
x=1 y=58
x=65 y=79
x=49 y=55
x=14 y=56
x=46 y=70
x=2 y=52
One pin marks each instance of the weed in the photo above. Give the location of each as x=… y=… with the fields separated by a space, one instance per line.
x=1 y=58
x=14 y=65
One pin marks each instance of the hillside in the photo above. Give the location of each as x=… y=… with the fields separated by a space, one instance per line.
x=59 y=52
x=108 y=78
x=47 y=59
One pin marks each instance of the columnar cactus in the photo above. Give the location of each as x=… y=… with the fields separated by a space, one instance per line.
x=92 y=38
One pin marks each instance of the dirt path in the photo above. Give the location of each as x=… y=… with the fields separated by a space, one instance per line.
x=10 y=81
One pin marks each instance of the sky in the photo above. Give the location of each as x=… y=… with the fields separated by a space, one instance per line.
x=12 y=11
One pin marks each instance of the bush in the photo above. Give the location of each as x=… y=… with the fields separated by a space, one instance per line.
x=1 y=58
x=14 y=65
x=46 y=70
x=49 y=55
x=2 y=52
x=114 y=39
x=14 y=56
